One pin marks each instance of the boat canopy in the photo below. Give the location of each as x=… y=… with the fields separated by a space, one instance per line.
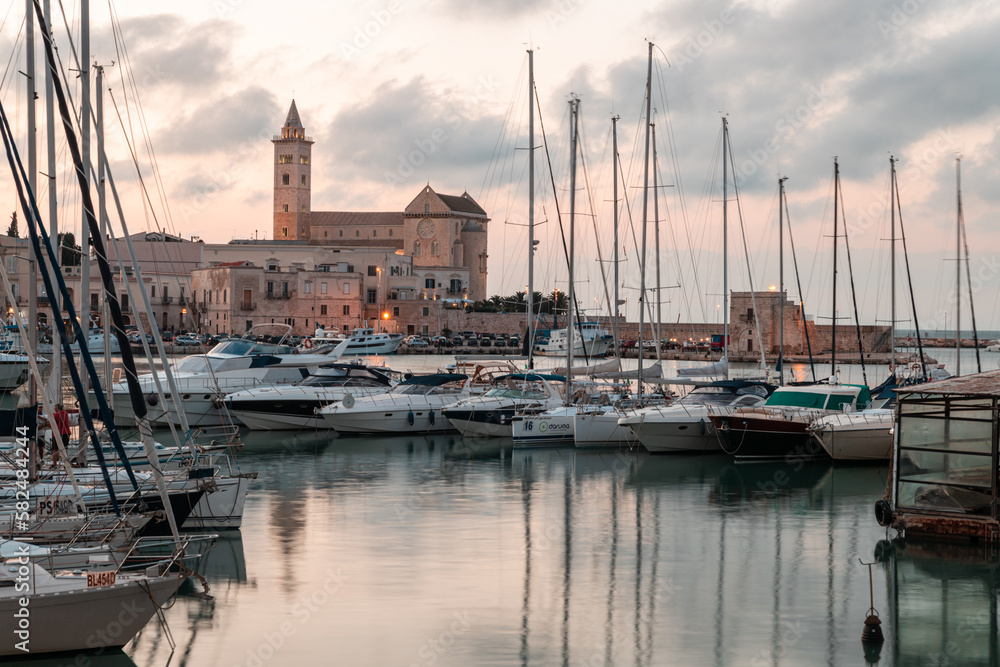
x=436 y=379
x=829 y=397
x=532 y=377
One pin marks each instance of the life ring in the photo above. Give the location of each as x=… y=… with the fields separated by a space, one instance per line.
x=307 y=343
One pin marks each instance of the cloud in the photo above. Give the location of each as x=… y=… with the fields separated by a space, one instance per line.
x=244 y=120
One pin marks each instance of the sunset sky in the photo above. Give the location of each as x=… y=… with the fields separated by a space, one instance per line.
x=400 y=93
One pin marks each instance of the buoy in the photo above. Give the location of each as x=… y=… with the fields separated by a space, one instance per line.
x=409 y=418
x=872 y=632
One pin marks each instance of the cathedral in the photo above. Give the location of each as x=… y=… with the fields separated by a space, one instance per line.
x=439 y=232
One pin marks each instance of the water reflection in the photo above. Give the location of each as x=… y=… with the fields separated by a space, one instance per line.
x=115 y=658
x=555 y=556
x=943 y=603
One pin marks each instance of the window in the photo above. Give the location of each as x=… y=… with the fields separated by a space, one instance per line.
x=284 y=230
x=435 y=249
x=94 y=301
x=284 y=289
x=322 y=288
x=308 y=287
x=325 y=233
x=216 y=295
x=395 y=311
x=152 y=291
x=247 y=299
x=165 y=295
x=303 y=179
x=455 y=286
x=303 y=208
x=225 y=296
x=123 y=301
x=347 y=310
x=303 y=159
x=341 y=232
x=429 y=283
x=372 y=270
x=427 y=311
x=372 y=296
x=210 y=297
x=284 y=179
x=270 y=290
x=374 y=233
x=390 y=232
x=427 y=209
x=347 y=288
x=416 y=248
x=456 y=228
x=322 y=309
x=284 y=159
x=284 y=209
x=357 y=232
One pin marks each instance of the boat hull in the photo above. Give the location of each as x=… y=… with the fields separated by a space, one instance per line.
x=601 y=430
x=856 y=437
x=542 y=430
x=757 y=437
x=102 y=618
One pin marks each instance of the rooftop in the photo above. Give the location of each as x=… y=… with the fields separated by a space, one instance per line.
x=979 y=384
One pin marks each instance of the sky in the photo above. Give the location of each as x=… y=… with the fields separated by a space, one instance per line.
x=400 y=93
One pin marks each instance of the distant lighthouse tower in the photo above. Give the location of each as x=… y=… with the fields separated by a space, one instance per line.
x=292 y=180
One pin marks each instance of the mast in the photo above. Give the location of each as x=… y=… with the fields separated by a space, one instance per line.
x=645 y=209
x=531 y=206
x=85 y=157
x=833 y=332
x=656 y=233
x=781 y=280
x=574 y=115
x=725 y=246
x=958 y=268
x=614 y=159
x=102 y=212
x=968 y=267
x=55 y=377
x=892 y=264
x=31 y=339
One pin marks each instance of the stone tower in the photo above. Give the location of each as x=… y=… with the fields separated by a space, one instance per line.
x=292 y=180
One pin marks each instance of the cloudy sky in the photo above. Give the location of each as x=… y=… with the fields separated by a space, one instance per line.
x=399 y=93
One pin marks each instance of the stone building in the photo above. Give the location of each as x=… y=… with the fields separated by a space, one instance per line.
x=443 y=233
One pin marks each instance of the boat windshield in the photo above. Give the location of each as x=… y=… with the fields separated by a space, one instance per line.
x=803 y=399
x=241 y=347
x=508 y=392
x=198 y=363
x=707 y=396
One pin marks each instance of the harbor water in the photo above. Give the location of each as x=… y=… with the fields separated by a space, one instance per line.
x=417 y=550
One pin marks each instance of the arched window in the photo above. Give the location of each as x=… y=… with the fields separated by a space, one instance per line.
x=416 y=248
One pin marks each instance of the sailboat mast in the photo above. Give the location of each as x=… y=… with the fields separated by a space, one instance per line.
x=531 y=206
x=645 y=210
x=958 y=267
x=614 y=159
x=574 y=105
x=725 y=245
x=102 y=212
x=833 y=331
x=656 y=232
x=892 y=262
x=31 y=339
x=968 y=269
x=85 y=157
x=781 y=280
x=55 y=377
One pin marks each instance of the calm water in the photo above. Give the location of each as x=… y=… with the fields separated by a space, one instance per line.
x=438 y=551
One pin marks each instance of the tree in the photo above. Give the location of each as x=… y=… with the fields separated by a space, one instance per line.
x=69 y=251
x=12 y=229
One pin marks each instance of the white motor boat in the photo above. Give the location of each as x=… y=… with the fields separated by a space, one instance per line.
x=490 y=415
x=856 y=436
x=684 y=425
x=557 y=426
x=95 y=344
x=293 y=407
x=14 y=370
x=589 y=340
x=363 y=340
x=413 y=406
x=204 y=380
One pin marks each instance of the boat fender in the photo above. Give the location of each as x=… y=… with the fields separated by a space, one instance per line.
x=430 y=417
x=409 y=418
x=347 y=401
x=883 y=512
x=217 y=403
x=152 y=399
x=701 y=427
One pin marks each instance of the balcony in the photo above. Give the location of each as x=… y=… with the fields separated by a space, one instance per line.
x=166 y=299
x=279 y=295
x=248 y=305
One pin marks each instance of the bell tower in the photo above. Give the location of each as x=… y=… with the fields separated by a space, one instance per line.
x=292 y=180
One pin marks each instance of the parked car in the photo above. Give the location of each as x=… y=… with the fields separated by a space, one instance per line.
x=186 y=340
x=441 y=341
x=628 y=345
x=414 y=341
x=166 y=336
